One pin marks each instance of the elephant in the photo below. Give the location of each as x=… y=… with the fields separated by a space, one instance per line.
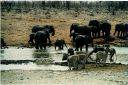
x=41 y=39
x=48 y=28
x=96 y=27
x=105 y=28
x=82 y=40
x=3 y=44
x=59 y=43
x=70 y=51
x=76 y=29
x=31 y=39
x=75 y=60
x=121 y=28
x=83 y=30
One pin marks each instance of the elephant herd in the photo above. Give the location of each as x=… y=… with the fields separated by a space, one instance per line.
x=81 y=34
x=95 y=28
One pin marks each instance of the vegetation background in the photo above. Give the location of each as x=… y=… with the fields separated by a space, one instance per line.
x=18 y=17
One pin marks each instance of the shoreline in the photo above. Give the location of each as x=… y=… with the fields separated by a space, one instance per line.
x=109 y=75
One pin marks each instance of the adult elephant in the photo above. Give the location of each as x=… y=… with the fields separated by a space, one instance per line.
x=96 y=27
x=121 y=29
x=106 y=28
x=41 y=39
x=47 y=28
x=82 y=40
x=77 y=29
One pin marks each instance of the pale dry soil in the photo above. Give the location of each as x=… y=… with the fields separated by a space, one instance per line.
x=91 y=75
x=16 y=27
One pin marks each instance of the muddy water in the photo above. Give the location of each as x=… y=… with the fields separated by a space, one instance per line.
x=43 y=59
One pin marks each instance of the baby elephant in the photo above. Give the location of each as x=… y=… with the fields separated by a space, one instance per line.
x=60 y=44
x=75 y=60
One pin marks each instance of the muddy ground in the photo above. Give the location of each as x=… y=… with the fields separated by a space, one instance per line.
x=91 y=75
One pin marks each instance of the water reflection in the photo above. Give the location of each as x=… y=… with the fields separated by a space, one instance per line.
x=16 y=54
x=40 y=54
x=32 y=66
x=45 y=59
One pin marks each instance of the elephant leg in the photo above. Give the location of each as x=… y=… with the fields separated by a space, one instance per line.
x=49 y=40
x=80 y=48
x=69 y=65
x=111 y=60
x=118 y=33
x=62 y=47
x=98 y=33
x=86 y=47
x=103 y=33
x=114 y=33
x=77 y=48
x=41 y=46
x=45 y=46
x=92 y=34
x=37 y=46
x=55 y=47
x=121 y=34
x=75 y=65
x=59 y=47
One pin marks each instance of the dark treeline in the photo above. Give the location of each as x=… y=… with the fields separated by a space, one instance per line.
x=65 y=5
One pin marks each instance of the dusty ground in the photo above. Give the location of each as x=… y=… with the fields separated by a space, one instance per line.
x=15 y=28
x=92 y=75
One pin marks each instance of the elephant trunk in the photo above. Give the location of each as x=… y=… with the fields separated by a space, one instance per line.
x=53 y=32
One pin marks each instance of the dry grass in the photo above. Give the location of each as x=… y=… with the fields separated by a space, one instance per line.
x=15 y=28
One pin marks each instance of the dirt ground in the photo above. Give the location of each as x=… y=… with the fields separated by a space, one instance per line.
x=91 y=75
x=16 y=27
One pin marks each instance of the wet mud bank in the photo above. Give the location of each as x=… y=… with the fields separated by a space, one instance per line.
x=91 y=75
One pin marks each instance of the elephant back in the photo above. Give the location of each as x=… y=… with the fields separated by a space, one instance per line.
x=94 y=23
x=59 y=42
x=83 y=39
x=105 y=26
x=37 y=28
x=41 y=36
